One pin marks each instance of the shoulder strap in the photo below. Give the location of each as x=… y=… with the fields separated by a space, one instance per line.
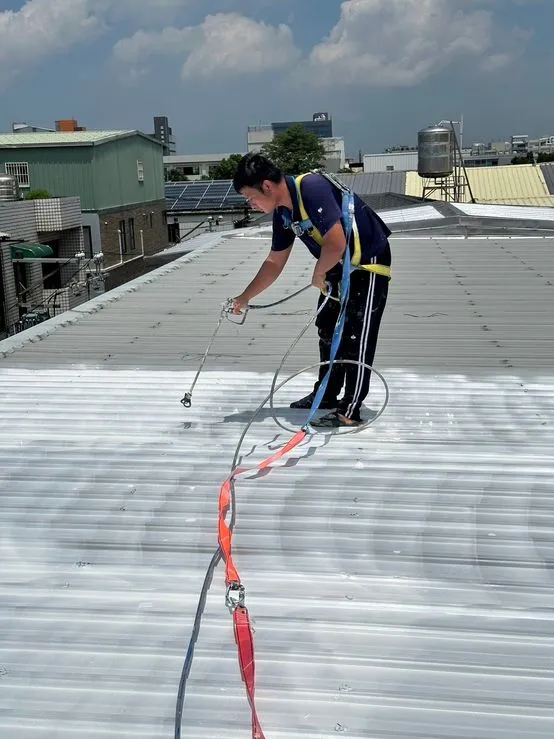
x=302 y=208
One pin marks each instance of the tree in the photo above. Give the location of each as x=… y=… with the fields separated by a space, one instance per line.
x=175 y=175
x=543 y=157
x=37 y=195
x=226 y=168
x=296 y=151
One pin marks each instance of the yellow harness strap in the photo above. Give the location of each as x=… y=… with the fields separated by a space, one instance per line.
x=379 y=269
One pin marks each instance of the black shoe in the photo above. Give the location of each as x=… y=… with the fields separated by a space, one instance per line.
x=334 y=421
x=306 y=403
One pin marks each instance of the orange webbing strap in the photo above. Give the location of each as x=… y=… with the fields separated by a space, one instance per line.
x=235 y=590
x=245 y=644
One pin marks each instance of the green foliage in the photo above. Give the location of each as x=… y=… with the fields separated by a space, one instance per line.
x=226 y=168
x=37 y=195
x=296 y=151
x=174 y=175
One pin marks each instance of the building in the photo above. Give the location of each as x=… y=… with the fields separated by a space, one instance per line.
x=164 y=133
x=194 y=166
x=513 y=184
x=20 y=127
x=44 y=270
x=67 y=125
x=118 y=176
x=406 y=161
x=398 y=161
x=321 y=124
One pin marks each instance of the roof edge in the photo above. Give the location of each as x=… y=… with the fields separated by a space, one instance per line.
x=115 y=136
x=47 y=328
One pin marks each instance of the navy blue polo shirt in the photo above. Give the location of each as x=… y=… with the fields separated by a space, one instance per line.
x=323 y=204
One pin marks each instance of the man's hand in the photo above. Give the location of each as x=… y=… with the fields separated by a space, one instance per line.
x=319 y=280
x=240 y=303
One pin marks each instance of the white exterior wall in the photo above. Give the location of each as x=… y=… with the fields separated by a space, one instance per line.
x=402 y=161
x=201 y=161
x=336 y=154
x=257 y=137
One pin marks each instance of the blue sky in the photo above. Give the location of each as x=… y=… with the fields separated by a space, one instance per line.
x=382 y=68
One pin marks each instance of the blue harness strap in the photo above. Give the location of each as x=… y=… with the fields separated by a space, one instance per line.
x=348 y=218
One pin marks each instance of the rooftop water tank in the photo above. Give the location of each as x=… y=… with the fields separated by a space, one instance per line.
x=9 y=188
x=435 y=148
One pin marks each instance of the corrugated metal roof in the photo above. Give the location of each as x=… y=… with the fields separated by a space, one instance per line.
x=515 y=184
x=61 y=138
x=400 y=580
x=548 y=174
x=516 y=212
x=375 y=182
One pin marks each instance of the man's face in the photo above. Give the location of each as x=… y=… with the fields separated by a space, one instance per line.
x=264 y=200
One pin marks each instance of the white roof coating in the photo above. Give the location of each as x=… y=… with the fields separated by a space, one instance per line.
x=422 y=213
x=506 y=211
x=400 y=580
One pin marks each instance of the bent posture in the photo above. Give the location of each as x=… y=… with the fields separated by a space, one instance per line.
x=310 y=207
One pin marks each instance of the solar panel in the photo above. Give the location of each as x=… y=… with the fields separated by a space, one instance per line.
x=202 y=195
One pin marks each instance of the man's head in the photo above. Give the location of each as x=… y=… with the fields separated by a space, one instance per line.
x=260 y=181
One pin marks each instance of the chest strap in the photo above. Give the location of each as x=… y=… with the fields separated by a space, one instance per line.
x=305 y=226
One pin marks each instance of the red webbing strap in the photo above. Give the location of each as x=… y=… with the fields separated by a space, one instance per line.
x=241 y=620
x=224 y=533
x=245 y=644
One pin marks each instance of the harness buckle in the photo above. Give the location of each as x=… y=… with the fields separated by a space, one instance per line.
x=234 y=598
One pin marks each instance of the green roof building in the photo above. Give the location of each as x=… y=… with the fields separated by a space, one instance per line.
x=119 y=178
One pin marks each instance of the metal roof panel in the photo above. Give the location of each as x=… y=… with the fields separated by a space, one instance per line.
x=399 y=580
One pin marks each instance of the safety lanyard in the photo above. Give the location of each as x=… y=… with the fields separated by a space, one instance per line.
x=236 y=593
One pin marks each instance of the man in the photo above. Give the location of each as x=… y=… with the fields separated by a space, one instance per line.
x=311 y=207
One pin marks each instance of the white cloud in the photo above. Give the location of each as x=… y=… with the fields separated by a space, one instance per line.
x=170 y=41
x=388 y=43
x=42 y=28
x=236 y=44
x=225 y=43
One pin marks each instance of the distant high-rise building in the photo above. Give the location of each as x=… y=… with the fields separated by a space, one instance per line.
x=164 y=133
x=321 y=124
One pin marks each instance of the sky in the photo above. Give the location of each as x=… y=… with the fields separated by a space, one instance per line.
x=383 y=69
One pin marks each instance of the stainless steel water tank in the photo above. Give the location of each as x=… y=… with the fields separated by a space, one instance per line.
x=435 y=152
x=9 y=187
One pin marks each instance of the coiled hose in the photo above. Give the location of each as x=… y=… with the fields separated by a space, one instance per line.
x=275 y=387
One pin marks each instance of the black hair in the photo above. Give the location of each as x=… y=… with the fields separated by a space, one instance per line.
x=253 y=170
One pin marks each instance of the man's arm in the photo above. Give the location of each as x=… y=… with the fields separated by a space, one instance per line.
x=267 y=274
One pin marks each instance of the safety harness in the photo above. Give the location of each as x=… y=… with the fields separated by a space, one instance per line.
x=235 y=591
x=306 y=227
x=235 y=598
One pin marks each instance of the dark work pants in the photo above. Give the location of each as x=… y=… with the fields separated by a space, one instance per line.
x=368 y=297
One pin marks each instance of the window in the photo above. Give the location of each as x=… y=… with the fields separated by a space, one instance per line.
x=87 y=240
x=390 y=168
x=19 y=170
x=132 y=244
x=123 y=237
x=140 y=170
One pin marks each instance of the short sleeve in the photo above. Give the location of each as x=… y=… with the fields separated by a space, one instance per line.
x=320 y=201
x=282 y=237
